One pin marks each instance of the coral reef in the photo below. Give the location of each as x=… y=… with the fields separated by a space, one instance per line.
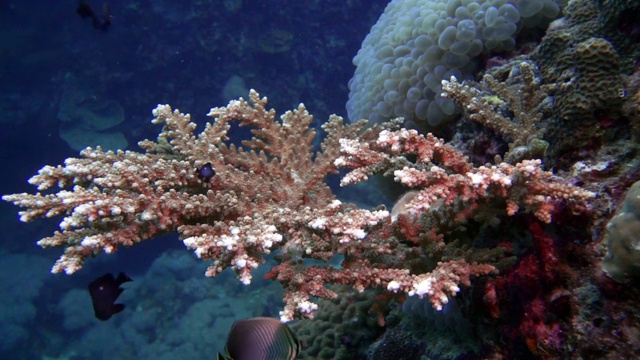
x=20 y=310
x=497 y=242
x=446 y=334
x=537 y=289
x=342 y=329
x=233 y=206
x=523 y=100
x=417 y=44
x=86 y=121
x=623 y=242
x=396 y=344
x=587 y=54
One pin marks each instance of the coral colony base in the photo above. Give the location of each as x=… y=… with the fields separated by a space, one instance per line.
x=269 y=195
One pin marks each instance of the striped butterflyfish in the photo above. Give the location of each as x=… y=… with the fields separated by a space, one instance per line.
x=260 y=338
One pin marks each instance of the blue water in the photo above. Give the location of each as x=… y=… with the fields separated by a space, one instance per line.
x=56 y=71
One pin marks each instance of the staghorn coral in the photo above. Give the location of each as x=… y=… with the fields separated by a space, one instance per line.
x=449 y=183
x=523 y=100
x=452 y=191
x=263 y=194
x=270 y=194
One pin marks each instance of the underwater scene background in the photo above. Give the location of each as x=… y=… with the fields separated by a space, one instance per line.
x=509 y=233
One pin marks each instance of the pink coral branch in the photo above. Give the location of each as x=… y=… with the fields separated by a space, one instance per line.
x=269 y=194
x=444 y=176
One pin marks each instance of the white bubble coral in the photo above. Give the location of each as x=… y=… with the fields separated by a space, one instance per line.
x=417 y=43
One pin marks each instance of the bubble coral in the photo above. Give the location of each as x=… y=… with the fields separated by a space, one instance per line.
x=417 y=43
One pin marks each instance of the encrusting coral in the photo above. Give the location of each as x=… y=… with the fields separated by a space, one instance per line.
x=235 y=204
x=623 y=255
x=587 y=54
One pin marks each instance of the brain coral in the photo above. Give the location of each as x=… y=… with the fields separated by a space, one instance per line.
x=417 y=43
x=341 y=329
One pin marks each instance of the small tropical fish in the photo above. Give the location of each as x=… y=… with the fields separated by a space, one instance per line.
x=260 y=338
x=104 y=293
x=206 y=172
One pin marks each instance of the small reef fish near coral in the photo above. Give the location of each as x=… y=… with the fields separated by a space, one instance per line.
x=260 y=338
x=104 y=292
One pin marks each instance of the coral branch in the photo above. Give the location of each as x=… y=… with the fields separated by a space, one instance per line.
x=235 y=204
x=524 y=98
x=123 y=198
x=266 y=195
x=446 y=180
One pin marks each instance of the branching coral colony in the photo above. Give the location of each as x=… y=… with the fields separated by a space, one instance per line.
x=269 y=194
x=523 y=96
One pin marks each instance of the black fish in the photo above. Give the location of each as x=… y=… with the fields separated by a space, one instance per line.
x=104 y=292
x=260 y=338
x=85 y=11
